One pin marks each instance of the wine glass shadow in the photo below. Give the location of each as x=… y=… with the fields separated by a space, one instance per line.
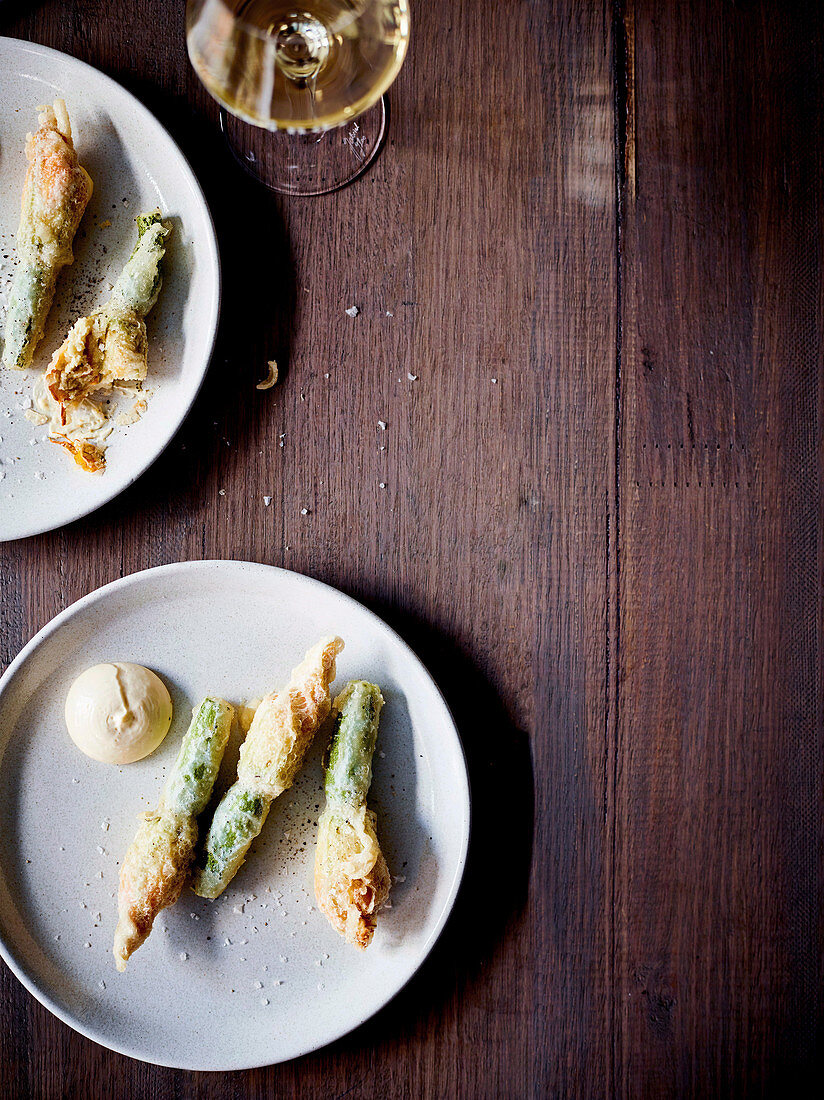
x=496 y=879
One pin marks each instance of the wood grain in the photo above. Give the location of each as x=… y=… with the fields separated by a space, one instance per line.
x=487 y=547
x=719 y=785
x=609 y=557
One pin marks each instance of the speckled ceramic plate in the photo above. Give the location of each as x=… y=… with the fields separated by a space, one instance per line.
x=257 y=976
x=135 y=166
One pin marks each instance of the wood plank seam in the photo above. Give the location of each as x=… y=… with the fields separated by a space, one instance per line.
x=623 y=159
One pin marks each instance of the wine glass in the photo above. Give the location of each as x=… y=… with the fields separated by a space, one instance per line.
x=313 y=70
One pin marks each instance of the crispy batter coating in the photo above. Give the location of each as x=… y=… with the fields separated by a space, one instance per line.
x=286 y=721
x=159 y=858
x=110 y=345
x=152 y=877
x=99 y=350
x=281 y=732
x=352 y=880
x=56 y=191
x=55 y=194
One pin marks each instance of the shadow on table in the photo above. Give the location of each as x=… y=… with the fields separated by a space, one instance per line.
x=12 y=9
x=496 y=880
x=256 y=316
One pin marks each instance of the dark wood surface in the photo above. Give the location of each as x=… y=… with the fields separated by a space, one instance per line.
x=610 y=558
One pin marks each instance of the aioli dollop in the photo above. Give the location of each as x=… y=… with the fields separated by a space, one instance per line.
x=118 y=712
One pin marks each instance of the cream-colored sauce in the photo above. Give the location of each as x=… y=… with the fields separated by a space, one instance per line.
x=118 y=712
x=83 y=419
x=87 y=421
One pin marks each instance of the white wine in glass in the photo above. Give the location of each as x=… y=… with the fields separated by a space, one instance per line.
x=315 y=69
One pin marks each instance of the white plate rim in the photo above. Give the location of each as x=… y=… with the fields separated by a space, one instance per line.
x=180 y=567
x=216 y=279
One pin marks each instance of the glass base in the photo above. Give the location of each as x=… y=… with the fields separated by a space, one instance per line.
x=307 y=163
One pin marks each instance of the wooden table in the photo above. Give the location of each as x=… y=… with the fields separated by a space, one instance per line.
x=597 y=229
